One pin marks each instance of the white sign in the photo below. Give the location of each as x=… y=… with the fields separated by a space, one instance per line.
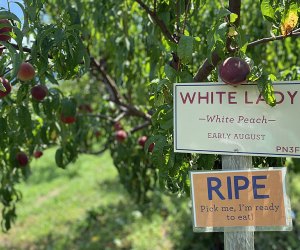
x=216 y=118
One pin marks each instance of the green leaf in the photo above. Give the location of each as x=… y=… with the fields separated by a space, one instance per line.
x=221 y=33
x=3 y=135
x=24 y=117
x=267 y=10
x=25 y=28
x=265 y=87
x=206 y=161
x=171 y=73
x=167 y=121
x=44 y=134
x=157 y=156
x=22 y=93
x=63 y=156
x=9 y=15
x=185 y=49
x=223 y=12
x=186 y=76
x=68 y=107
x=15 y=56
x=51 y=78
x=18 y=37
x=59 y=158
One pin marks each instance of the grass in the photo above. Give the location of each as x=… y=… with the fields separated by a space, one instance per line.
x=85 y=208
x=54 y=199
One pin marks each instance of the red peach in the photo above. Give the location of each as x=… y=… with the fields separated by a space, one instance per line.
x=234 y=71
x=22 y=159
x=39 y=92
x=120 y=135
x=37 y=154
x=67 y=119
x=142 y=140
x=26 y=72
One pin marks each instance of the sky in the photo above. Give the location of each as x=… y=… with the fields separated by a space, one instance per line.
x=14 y=8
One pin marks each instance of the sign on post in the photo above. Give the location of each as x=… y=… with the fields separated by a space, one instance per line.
x=240 y=200
x=217 y=118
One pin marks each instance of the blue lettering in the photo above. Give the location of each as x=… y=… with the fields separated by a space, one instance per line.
x=215 y=188
x=229 y=188
x=257 y=186
x=238 y=187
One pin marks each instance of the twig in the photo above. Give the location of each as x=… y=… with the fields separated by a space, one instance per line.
x=101 y=151
x=155 y=6
x=119 y=117
x=177 y=17
x=158 y=21
x=270 y=39
x=94 y=153
x=132 y=110
x=186 y=15
x=98 y=116
x=139 y=127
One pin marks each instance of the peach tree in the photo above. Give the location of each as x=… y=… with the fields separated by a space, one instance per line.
x=91 y=76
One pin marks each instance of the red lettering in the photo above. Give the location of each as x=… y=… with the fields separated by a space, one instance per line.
x=231 y=98
x=246 y=98
x=292 y=96
x=281 y=95
x=187 y=96
x=203 y=97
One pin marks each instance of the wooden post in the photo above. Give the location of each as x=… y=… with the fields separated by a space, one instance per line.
x=237 y=240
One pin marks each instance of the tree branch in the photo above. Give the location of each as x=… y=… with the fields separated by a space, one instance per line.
x=139 y=127
x=158 y=21
x=273 y=38
x=110 y=83
x=116 y=96
x=234 y=7
x=206 y=68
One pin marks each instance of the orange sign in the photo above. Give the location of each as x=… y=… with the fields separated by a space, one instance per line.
x=243 y=198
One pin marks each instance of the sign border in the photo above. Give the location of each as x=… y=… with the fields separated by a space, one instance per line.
x=286 y=201
x=184 y=150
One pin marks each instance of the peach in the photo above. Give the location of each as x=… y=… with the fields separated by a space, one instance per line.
x=26 y=72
